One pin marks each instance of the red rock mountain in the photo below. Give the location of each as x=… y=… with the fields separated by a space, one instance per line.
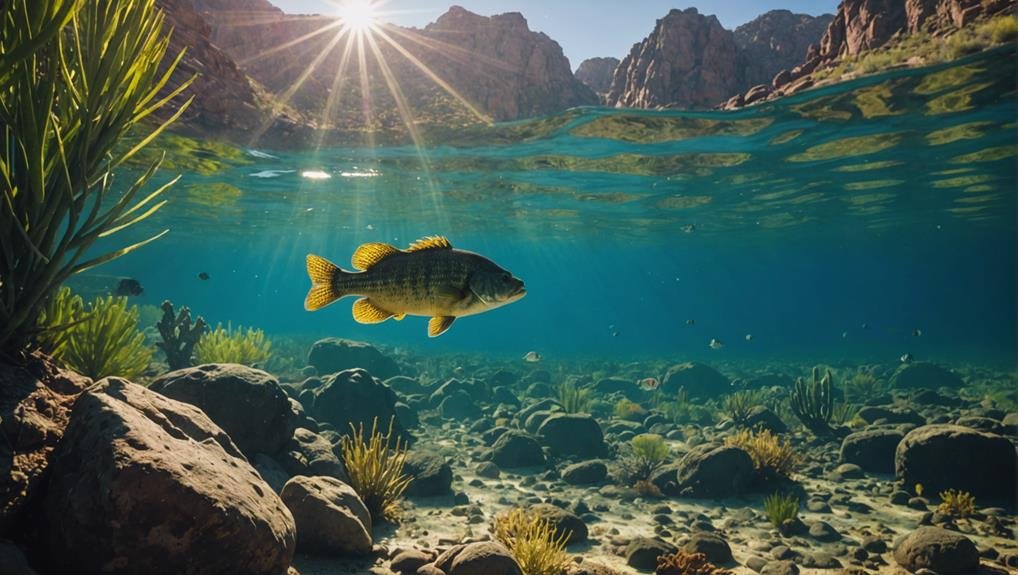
x=775 y=41
x=597 y=73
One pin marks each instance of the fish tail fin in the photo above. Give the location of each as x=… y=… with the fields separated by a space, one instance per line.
x=324 y=290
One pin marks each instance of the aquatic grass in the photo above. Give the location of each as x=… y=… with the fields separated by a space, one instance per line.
x=76 y=76
x=812 y=402
x=957 y=503
x=863 y=386
x=771 y=456
x=227 y=345
x=738 y=405
x=574 y=399
x=644 y=455
x=780 y=508
x=629 y=410
x=375 y=468
x=532 y=541
x=98 y=341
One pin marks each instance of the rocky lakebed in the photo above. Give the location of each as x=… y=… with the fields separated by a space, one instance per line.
x=225 y=468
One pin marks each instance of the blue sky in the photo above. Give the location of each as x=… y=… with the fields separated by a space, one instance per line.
x=584 y=28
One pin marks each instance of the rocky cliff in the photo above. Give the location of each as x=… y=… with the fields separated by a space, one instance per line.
x=597 y=73
x=775 y=41
x=688 y=61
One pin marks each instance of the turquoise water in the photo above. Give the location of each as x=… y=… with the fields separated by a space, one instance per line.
x=830 y=225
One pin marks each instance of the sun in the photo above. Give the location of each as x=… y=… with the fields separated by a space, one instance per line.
x=358 y=15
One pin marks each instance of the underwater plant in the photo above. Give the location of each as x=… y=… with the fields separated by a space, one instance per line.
x=375 y=468
x=574 y=399
x=862 y=386
x=738 y=405
x=532 y=541
x=629 y=410
x=771 y=456
x=179 y=335
x=957 y=503
x=643 y=456
x=99 y=341
x=685 y=563
x=75 y=77
x=780 y=508
x=813 y=403
x=647 y=488
x=226 y=345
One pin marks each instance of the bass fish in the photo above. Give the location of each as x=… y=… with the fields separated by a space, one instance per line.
x=429 y=279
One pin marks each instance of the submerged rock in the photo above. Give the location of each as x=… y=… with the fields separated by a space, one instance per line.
x=308 y=453
x=939 y=550
x=145 y=484
x=642 y=552
x=431 y=474
x=712 y=545
x=924 y=375
x=565 y=522
x=944 y=457
x=333 y=354
x=331 y=519
x=516 y=449
x=247 y=403
x=698 y=379
x=354 y=397
x=585 y=473
x=710 y=471
x=871 y=449
x=481 y=558
x=573 y=435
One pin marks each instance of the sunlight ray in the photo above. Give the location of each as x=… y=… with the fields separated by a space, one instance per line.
x=338 y=82
x=451 y=51
x=291 y=43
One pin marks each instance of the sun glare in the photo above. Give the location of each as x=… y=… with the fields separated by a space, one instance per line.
x=358 y=15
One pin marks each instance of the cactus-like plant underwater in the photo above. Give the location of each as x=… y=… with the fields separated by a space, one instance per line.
x=180 y=336
x=812 y=403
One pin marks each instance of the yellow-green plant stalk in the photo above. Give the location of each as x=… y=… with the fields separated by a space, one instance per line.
x=102 y=340
x=532 y=541
x=226 y=345
x=375 y=469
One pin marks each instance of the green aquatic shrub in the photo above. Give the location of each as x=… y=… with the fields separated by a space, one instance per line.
x=574 y=399
x=642 y=457
x=780 y=508
x=98 y=341
x=629 y=410
x=737 y=406
x=179 y=335
x=532 y=541
x=812 y=402
x=862 y=386
x=75 y=77
x=771 y=456
x=375 y=467
x=226 y=345
x=957 y=503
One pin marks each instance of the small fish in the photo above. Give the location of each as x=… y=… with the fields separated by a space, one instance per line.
x=129 y=287
x=429 y=279
x=690 y=322
x=917 y=332
x=616 y=333
x=532 y=357
x=203 y=276
x=689 y=228
x=865 y=326
x=907 y=358
x=749 y=337
x=715 y=344
x=844 y=335
x=649 y=383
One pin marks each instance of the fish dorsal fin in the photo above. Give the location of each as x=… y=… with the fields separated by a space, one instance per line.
x=430 y=243
x=370 y=254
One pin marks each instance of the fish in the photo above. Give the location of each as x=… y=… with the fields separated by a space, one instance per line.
x=690 y=322
x=650 y=383
x=203 y=276
x=715 y=344
x=616 y=333
x=865 y=326
x=749 y=337
x=430 y=278
x=844 y=335
x=907 y=358
x=917 y=332
x=689 y=228
x=532 y=357
x=129 y=287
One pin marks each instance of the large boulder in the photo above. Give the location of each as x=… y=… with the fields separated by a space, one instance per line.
x=331 y=518
x=480 y=558
x=566 y=523
x=924 y=375
x=585 y=473
x=333 y=354
x=35 y=405
x=871 y=449
x=942 y=457
x=145 y=484
x=939 y=550
x=247 y=403
x=431 y=474
x=699 y=380
x=573 y=435
x=308 y=453
x=516 y=449
x=354 y=397
x=709 y=471
x=642 y=552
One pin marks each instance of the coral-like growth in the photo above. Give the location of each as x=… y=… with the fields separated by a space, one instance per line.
x=75 y=77
x=813 y=403
x=646 y=453
x=532 y=541
x=645 y=488
x=629 y=410
x=770 y=455
x=574 y=399
x=179 y=335
x=226 y=345
x=375 y=468
x=780 y=508
x=684 y=563
x=739 y=404
x=100 y=341
x=862 y=386
x=957 y=503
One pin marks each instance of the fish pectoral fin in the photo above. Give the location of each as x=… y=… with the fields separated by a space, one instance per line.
x=370 y=254
x=364 y=311
x=399 y=316
x=439 y=325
